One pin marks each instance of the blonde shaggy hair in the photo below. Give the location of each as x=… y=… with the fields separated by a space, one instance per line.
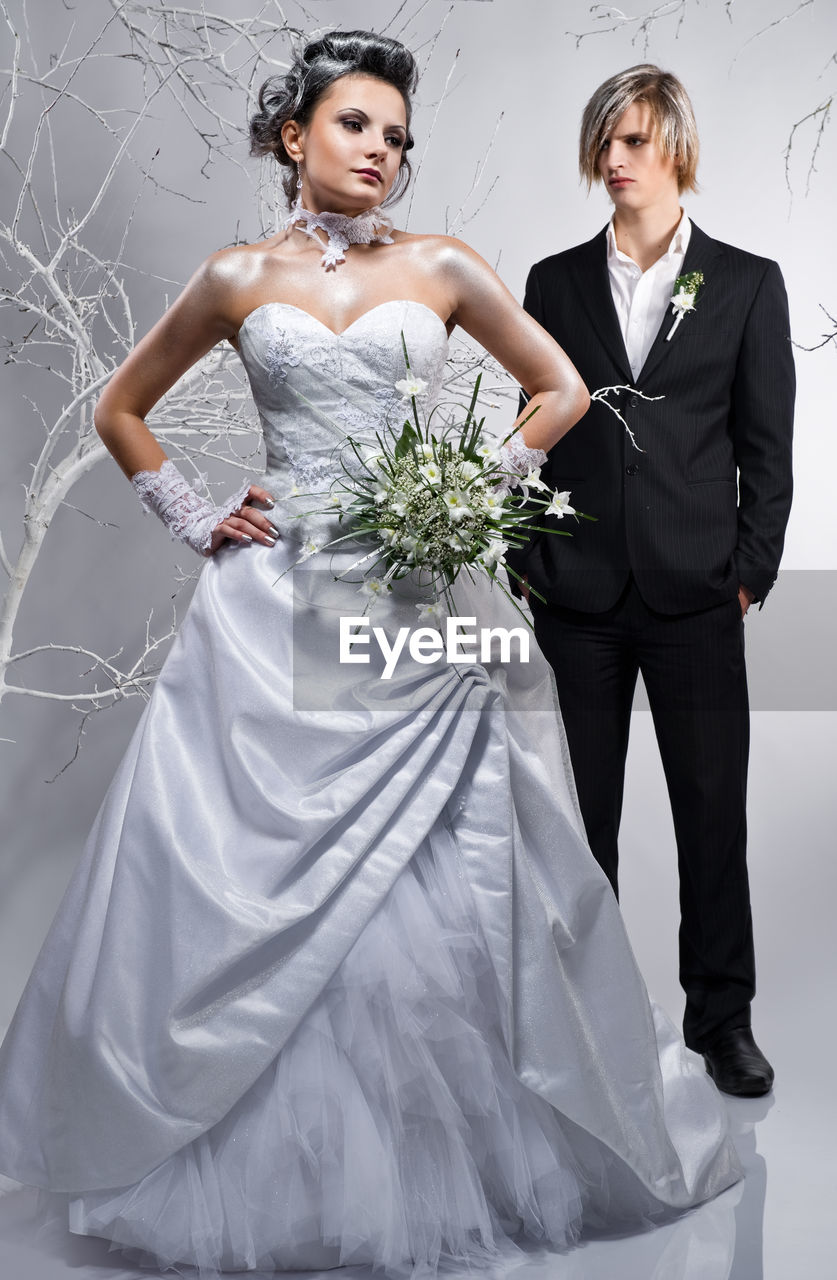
x=674 y=120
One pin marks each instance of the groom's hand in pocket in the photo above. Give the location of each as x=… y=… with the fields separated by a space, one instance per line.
x=745 y=598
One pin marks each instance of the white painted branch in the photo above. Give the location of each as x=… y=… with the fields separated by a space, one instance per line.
x=13 y=87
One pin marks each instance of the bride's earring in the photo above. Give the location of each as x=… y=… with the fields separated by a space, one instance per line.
x=299 y=175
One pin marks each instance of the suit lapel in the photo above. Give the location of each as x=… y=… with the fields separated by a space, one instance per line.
x=700 y=254
x=593 y=283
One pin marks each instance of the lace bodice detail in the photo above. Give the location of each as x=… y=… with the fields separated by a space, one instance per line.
x=313 y=388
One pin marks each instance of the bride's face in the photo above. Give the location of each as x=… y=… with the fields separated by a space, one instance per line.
x=352 y=146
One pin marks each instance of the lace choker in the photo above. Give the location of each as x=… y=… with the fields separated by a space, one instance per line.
x=373 y=225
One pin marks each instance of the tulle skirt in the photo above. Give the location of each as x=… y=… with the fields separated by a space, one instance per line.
x=390 y=1130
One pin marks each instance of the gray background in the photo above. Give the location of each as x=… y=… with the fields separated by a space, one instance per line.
x=500 y=99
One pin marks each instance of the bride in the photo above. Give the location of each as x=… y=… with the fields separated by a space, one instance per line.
x=337 y=980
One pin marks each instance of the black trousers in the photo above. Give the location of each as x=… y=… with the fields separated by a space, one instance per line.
x=693 y=669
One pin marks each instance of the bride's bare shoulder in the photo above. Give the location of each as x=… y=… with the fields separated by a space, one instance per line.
x=242 y=265
x=444 y=255
x=231 y=281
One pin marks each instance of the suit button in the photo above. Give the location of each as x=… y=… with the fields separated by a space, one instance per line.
x=632 y=469
x=634 y=401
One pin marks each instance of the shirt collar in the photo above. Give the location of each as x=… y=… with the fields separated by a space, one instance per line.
x=679 y=241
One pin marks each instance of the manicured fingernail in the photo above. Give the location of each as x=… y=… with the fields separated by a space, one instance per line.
x=275 y=530
x=270 y=542
x=245 y=537
x=270 y=503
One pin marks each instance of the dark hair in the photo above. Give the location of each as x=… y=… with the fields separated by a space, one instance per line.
x=294 y=96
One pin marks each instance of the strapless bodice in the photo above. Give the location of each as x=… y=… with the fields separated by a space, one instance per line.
x=313 y=388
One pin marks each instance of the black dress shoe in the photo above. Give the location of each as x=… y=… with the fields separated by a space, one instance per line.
x=737 y=1064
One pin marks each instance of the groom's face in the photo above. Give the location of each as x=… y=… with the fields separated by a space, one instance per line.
x=633 y=168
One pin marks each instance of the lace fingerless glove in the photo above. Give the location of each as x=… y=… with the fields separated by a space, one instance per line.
x=516 y=457
x=186 y=514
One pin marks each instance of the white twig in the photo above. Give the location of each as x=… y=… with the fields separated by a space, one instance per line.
x=601 y=397
x=826 y=337
x=13 y=87
x=69 y=309
x=785 y=17
x=429 y=135
x=824 y=111
x=643 y=22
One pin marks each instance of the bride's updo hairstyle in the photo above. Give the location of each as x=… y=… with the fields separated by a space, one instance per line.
x=294 y=96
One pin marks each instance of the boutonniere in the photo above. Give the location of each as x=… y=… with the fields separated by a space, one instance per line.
x=684 y=298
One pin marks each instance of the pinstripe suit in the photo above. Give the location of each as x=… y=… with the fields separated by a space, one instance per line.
x=653 y=585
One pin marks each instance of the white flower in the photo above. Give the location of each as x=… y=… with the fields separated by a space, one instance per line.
x=494 y=552
x=433 y=612
x=412 y=547
x=426 y=451
x=560 y=506
x=533 y=480
x=489 y=452
x=468 y=470
x=683 y=301
x=409 y=387
x=373 y=588
x=294 y=491
x=456 y=505
x=398 y=504
x=381 y=492
x=310 y=548
x=490 y=501
x=432 y=472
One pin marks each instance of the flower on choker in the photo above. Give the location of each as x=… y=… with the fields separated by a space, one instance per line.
x=684 y=298
x=341 y=230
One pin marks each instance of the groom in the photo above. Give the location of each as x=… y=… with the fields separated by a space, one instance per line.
x=690 y=526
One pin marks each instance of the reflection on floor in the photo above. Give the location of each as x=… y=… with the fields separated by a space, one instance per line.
x=719 y=1241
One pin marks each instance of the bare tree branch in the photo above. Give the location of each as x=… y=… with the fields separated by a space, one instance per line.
x=777 y=22
x=823 y=111
x=826 y=337
x=601 y=397
x=429 y=134
x=77 y=319
x=614 y=19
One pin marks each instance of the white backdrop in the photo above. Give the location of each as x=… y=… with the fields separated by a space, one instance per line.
x=496 y=128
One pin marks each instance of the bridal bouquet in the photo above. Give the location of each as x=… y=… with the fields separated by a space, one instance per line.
x=438 y=498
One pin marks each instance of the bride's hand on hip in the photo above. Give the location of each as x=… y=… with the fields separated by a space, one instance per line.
x=246 y=524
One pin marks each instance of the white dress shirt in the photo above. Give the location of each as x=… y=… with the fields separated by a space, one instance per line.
x=641 y=297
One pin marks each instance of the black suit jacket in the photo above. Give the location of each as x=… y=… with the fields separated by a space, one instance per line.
x=705 y=505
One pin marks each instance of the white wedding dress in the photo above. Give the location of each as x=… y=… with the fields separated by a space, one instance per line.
x=337 y=979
